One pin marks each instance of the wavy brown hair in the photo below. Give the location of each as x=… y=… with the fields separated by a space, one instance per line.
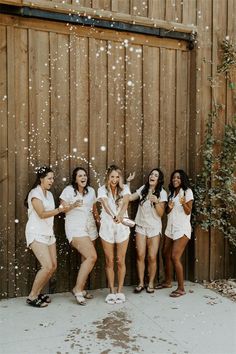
x=120 y=185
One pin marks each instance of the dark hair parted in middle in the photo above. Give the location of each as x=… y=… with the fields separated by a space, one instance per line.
x=158 y=188
x=75 y=184
x=185 y=184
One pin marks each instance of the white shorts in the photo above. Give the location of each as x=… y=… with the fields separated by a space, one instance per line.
x=47 y=240
x=148 y=231
x=176 y=233
x=112 y=232
x=90 y=230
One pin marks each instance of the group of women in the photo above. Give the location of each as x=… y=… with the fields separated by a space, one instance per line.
x=83 y=224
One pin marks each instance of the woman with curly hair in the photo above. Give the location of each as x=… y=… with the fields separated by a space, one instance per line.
x=178 y=230
x=39 y=233
x=114 y=197
x=80 y=226
x=152 y=201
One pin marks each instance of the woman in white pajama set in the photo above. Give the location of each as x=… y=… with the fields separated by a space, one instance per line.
x=152 y=201
x=114 y=196
x=178 y=230
x=80 y=226
x=40 y=234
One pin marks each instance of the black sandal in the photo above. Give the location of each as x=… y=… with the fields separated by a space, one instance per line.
x=150 y=290
x=138 y=289
x=45 y=298
x=36 y=302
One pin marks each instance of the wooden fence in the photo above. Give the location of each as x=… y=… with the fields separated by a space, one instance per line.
x=74 y=95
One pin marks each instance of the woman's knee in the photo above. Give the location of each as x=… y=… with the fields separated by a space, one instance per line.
x=175 y=257
x=110 y=262
x=120 y=261
x=152 y=258
x=140 y=256
x=49 y=268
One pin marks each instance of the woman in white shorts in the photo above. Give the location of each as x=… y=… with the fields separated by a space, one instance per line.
x=80 y=227
x=178 y=230
x=40 y=234
x=152 y=201
x=114 y=196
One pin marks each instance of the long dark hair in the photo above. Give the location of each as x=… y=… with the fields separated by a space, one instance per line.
x=41 y=173
x=75 y=184
x=158 y=187
x=185 y=184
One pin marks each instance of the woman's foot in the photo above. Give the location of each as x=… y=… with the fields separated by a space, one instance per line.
x=110 y=299
x=177 y=293
x=36 y=302
x=120 y=298
x=80 y=298
x=150 y=289
x=45 y=298
x=163 y=286
x=87 y=295
x=138 y=289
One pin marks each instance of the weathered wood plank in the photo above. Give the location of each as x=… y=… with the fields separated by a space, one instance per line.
x=11 y=146
x=4 y=168
x=98 y=91
x=219 y=95
x=59 y=144
x=21 y=97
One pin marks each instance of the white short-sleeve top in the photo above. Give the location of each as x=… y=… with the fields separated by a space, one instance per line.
x=146 y=215
x=177 y=218
x=79 y=214
x=35 y=224
x=114 y=206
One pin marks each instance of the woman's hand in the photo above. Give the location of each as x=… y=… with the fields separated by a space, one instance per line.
x=130 y=177
x=171 y=204
x=182 y=200
x=153 y=199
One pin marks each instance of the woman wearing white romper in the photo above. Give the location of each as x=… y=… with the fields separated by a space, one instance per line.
x=178 y=230
x=152 y=201
x=114 y=196
x=80 y=226
x=40 y=234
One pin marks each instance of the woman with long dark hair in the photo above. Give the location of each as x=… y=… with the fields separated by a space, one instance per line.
x=80 y=227
x=114 y=197
x=40 y=234
x=178 y=230
x=152 y=201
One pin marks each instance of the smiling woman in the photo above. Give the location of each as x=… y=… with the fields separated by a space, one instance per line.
x=114 y=197
x=81 y=213
x=39 y=233
x=152 y=200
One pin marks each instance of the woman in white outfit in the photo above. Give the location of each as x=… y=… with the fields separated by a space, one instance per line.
x=178 y=230
x=40 y=234
x=152 y=201
x=114 y=196
x=80 y=227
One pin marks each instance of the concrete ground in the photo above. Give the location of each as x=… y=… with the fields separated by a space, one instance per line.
x=201 y=322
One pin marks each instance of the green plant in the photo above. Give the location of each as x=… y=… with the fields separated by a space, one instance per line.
x=215 y=190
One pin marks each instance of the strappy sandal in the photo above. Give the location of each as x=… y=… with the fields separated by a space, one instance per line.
x=87 y=295
x=44 y=298
x=36 y=303
x=120 y=298
x=79 y=298
x=150 y=290
x=138 y=289
x=110 y=299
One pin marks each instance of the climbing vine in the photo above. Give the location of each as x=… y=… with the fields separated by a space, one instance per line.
x=215 y=189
